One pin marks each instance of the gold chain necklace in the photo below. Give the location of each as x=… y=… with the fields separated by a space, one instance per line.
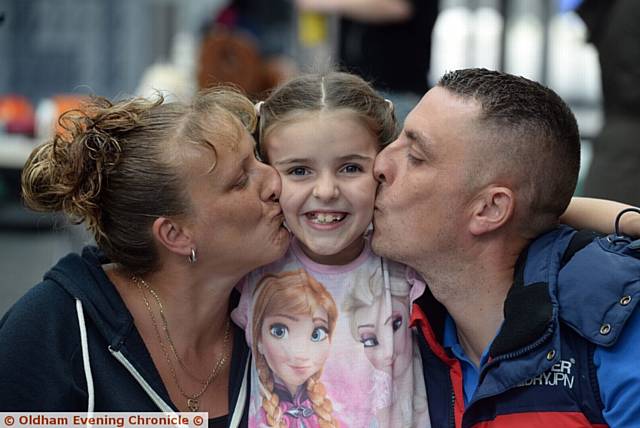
x=192 y=399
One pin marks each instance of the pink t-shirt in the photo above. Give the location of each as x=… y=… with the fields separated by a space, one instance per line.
x=350 y=357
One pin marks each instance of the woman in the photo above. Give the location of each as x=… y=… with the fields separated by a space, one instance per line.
x=181 y=210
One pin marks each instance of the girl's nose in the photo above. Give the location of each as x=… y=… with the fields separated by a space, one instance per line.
x=326 y=188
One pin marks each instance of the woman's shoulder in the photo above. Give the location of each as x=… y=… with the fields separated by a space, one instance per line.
x=42 y=306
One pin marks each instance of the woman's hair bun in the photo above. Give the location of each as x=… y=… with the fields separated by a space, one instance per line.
x=69 y=172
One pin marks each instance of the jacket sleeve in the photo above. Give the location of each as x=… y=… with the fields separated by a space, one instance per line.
x=39 y=342
x=619 y=377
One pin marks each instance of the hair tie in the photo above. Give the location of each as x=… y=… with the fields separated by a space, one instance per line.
x=258 y=107
x=390 y=104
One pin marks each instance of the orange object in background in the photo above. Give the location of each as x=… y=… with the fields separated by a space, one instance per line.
x=64 y=103
x=16 y=115
x=49 y=111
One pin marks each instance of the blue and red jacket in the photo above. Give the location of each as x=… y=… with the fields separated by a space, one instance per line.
x=567 y=352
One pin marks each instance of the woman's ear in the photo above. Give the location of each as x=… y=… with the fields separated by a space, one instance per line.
x=492 y=209
x=173 y=236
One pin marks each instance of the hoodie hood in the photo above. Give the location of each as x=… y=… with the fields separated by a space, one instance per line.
x=83 y=278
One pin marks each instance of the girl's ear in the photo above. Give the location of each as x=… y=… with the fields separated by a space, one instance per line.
x=173 y=236
x=492 y=209
x=260 y=347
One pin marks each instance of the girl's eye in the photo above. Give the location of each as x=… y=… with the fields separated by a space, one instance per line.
x=397 y=323
x=279 y=331
x=351 y=168
x=299 y=170
x=319 y=334
x=369 y=341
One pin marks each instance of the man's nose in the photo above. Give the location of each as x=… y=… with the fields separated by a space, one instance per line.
x=384 y=166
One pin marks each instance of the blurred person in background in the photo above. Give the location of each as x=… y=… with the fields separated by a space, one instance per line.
x=181 y=210
x=249 y=43
x=615 y=32
x=387 y=42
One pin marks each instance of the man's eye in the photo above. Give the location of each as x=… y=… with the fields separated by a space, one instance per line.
x=319 y=334
x=369 y=341
x=279 y=331
x=413 y=160
x=298 y=171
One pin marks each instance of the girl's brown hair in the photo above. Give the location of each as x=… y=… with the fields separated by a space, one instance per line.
x=328 y=91
x=296 y=293
x=118 y=166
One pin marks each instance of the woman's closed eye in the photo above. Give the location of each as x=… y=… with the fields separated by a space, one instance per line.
x=242 y=182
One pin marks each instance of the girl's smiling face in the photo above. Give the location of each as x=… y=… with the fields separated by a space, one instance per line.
x=325 y=160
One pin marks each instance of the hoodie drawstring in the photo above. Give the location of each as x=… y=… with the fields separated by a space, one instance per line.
x=85 y=357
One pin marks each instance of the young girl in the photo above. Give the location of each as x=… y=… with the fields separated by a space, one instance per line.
x=322 y=132
x=294 y=318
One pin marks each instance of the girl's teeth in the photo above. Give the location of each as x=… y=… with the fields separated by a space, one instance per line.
x=326 y=218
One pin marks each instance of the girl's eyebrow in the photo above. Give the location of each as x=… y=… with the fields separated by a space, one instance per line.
x=350 y=157
x=355 y=156
x=287 y=161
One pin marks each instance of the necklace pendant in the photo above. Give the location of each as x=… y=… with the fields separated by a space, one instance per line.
x=193 y=404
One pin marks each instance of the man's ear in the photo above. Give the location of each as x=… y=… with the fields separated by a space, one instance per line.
x=491 y=209
x=173 y=236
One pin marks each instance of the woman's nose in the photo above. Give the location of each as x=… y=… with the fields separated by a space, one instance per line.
x=272 y=185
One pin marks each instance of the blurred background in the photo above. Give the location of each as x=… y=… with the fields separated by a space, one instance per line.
x=53 y=53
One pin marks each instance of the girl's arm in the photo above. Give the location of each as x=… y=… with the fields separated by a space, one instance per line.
x=600 y=215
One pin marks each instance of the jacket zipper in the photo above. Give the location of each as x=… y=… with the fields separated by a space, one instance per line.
x=514 y=354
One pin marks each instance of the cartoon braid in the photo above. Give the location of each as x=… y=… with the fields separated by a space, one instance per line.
x=321 y=404
x=270 y=401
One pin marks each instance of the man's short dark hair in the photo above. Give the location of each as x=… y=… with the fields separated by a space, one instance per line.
x=528 y=137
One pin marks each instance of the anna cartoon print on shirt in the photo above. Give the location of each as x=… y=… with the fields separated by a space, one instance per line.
x=294 y=318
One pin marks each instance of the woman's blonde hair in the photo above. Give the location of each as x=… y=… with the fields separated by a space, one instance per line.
x=118 y=166
x=296 y=293
x=327 y=92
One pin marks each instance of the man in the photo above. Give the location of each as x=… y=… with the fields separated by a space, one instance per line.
x=516 y=331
